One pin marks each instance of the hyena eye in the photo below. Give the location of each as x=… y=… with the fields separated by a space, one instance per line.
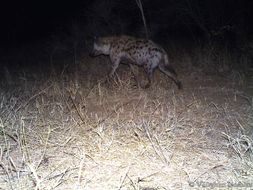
x=96 y=39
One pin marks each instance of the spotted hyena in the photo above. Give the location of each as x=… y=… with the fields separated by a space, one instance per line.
x=137 y=51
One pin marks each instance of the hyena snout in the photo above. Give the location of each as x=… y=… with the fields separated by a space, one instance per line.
x=94 y=53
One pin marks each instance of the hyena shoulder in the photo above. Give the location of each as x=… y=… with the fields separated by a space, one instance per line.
x=129 y=43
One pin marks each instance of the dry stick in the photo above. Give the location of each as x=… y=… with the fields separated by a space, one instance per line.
x=161 y=151
x=60 y=174
x=59 y=182
x=45 y=148
x=240 y=125
x=1 y=163
x=159 y=104
x=13 y=164
x=34 y=96
x=124 y=178
x=6 y=133
x=11 y=136
x=145 y=177
x=80 y=170
x=234 y=143
x=163 y=158
x=104 y=119
x=102 y=81
x=7 y=173
x=110 y=114
x=78 y=112
x=138 y=2
x=23 y=145
x=23 y=142
x=37 y=178
x=132 y=183
x=205 y=172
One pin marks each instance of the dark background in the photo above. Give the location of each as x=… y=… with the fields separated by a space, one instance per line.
x=224 y=22
x=25 y=21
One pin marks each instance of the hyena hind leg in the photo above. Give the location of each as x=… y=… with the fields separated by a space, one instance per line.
x=150 y=71
x=136 y=76
x=170 y=72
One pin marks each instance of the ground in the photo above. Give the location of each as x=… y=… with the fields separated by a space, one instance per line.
x=75 y=130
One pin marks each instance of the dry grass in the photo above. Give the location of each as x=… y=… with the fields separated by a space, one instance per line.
x=79 y=132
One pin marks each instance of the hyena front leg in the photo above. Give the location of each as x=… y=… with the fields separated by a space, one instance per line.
x=166 y=70
x=150 y=71
x=115 y=65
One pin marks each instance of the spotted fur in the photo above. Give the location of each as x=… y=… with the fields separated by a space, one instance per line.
x=132 y=50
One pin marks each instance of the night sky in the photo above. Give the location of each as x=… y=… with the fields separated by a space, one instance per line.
x=30 y=21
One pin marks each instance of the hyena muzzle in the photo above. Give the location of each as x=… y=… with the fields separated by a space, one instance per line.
x=132 y=50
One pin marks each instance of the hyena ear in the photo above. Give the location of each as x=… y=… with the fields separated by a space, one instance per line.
x=95 y=38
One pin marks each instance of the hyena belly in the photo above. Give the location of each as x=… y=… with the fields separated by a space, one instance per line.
x=136 y=51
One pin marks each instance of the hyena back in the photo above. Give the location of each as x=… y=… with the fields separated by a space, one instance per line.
x=132 y=50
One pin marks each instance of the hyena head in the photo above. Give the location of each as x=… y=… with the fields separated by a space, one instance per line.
x=101 y=46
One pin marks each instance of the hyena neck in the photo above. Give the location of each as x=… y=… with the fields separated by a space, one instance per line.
x=106 y=49
x=102 y=49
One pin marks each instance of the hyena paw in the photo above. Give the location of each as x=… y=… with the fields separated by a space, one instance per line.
x=108 y=79
x=111 y=75
x=145 y=86
x=179 y=85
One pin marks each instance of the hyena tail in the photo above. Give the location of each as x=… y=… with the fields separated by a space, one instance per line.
x=168 y=66
x=167 y=69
